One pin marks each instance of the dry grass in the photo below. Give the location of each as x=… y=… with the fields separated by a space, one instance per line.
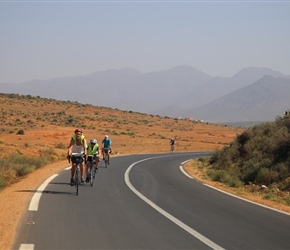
x=193 y=168
x=49 y=123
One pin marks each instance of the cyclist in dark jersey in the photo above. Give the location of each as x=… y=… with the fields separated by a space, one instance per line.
x=172 y=144
x=106 y=143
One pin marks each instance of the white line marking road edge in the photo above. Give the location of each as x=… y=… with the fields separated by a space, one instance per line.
x=26 y=247
x=235 y=196
x=166 y=214
x=33 y=205
x=183 y=171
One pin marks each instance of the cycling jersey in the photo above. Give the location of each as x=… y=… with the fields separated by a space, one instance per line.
x=74 y=138
x=93 y=150
x=78 y=149
x=107 y=143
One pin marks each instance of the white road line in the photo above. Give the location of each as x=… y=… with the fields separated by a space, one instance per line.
x=166 y=214
x=26 y=247
x=184 y=172
x=241 y=198
x=33 y=206
x=235 y=196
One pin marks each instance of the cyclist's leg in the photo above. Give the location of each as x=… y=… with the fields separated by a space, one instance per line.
x=87 y=170
x=97 y=161
x=73 y=169
x=103 y=153
x=82 y=171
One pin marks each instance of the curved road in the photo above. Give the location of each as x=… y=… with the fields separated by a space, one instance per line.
x=146 y=202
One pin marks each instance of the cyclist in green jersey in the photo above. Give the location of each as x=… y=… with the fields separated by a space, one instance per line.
x=92 y=150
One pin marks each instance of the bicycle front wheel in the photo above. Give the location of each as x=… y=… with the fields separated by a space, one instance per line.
x=92 y=175
x=77 y=179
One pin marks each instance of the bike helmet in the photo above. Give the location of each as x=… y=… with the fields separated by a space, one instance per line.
x=78 y=130
x=93 y=141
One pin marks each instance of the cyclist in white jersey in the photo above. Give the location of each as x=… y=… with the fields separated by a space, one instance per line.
x=78 y=144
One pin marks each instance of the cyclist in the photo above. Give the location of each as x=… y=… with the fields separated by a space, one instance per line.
x=78 y=144
x=106 y=147
x=172 y=143
x=92 y=149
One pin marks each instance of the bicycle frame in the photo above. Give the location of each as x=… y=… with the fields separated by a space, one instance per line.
x=92 y=170
x=106 y=152
x=77 y=159
x=77 y=178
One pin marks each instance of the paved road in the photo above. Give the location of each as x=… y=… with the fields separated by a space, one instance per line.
x=146 y=202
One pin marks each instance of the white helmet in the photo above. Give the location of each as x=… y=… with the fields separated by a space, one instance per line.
x=93 y=141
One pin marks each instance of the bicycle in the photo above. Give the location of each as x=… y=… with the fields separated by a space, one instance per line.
x=172 y=148
x=106 y=156
x=77 y=159
x=93 y=169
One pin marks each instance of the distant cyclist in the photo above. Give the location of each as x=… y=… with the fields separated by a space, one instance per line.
x=78 y=145
x=172 y=144
x=106 y=147
x=92 y=150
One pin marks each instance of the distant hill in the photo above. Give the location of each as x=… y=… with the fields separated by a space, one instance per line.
x=179 y=91
x=263 y=100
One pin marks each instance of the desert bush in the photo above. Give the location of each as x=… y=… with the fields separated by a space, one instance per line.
x=266 y=176
x=20 y=132
x=225 y=177
x=116 y=133
x=48 y=155
x=3 y=182
x=217 y=175
x=259 y=155
x=17 y=165
x=61 y=145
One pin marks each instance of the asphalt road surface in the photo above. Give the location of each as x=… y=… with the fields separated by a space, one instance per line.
x=146 y=202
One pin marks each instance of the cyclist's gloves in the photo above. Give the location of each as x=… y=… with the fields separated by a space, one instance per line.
x=68 y=158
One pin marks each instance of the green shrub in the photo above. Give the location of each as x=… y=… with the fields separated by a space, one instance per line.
x=17 y=165
x=3 y=182
x=61 y=145
x=20 y=132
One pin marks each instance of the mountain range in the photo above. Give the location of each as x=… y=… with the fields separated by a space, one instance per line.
x=252 y=94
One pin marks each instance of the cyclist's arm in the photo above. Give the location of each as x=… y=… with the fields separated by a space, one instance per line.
x=69 y=148
x=85 y=147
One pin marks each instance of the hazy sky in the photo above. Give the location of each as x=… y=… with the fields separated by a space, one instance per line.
x=48 y=39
